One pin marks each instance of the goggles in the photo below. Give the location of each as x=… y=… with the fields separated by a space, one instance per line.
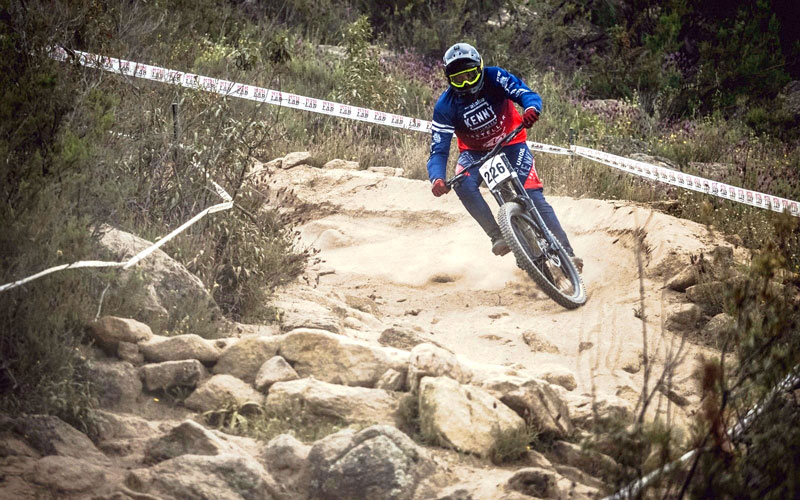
x=466 y=77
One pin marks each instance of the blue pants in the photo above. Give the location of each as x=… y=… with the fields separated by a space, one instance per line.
x=521 y=159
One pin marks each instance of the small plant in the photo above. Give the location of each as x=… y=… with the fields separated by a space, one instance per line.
x=514 y=444
x=263 y=422
x=233 y=417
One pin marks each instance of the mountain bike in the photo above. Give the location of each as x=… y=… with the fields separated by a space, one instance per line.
x=537 y=251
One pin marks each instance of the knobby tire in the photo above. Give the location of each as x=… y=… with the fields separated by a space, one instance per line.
x=513 y=225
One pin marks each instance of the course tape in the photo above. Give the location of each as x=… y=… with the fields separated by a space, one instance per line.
x=686 y=181
x=241 y=90
x=139 y=256
x=278 y=98
x=259 y=94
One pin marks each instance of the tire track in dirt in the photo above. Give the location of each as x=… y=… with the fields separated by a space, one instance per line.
x=429 y=268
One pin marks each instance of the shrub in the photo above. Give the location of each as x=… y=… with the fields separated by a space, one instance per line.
x=264 y=423
x=512 y=445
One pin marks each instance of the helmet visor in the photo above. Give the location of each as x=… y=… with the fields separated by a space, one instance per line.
x=468 y=76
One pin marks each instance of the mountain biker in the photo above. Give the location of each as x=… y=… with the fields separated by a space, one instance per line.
x=478 y=106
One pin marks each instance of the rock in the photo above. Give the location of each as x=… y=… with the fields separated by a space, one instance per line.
x=392 y=380
x=673 y=395
x=587 y=411
x=379 y=462
x=173 y=288
x=50 y=435
x=275 y=369
x=363 y=304
x=456 y=493
x=130 y=353
x=180 y=347
x=579 y=491
x=286 y=459
x=592 y=462
x=535 y=482
x=67 y=474
x=337 y=359
x=540 y=405
x=719 y=328
x=296 y=314
x=117 y=383
x=464 y=417
x=555 y=374
x=149 y=309
x=537 y=344
x=109 y=331
x=244 y=358
x=111 y=426
x=402 y=338
x=273 y=164
x=285 y=452
x=222 y=390
x=428 y=360
x=683 y=280
x=387 y=171
x=536 y=459
x=184 y=373
x=578 y=476
x=188 y=438
x=343 y=164
x=631 y=360
x=683 y=317
x=298 y=158
x=221 y=477
x=350 y=404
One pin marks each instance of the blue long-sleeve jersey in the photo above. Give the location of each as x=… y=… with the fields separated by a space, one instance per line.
x=478 y=121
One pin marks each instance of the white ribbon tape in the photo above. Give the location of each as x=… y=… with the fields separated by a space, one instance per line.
x=547 y=148
x=242 y=90
x=139 y=256
x=260 y=94
x=686 y=181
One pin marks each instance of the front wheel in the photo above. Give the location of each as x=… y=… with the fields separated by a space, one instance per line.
x=553 y=271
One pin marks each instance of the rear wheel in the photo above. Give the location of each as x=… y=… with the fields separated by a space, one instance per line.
x=553 y=271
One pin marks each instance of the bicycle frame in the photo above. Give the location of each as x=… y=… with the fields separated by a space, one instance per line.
x=519 y=194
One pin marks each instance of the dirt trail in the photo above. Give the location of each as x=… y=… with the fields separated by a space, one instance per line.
x=428 y=266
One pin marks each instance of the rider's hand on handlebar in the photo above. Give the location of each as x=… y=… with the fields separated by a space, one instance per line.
x=529 y=117
x=439 y=187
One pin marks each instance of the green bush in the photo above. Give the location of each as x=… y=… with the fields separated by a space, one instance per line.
x=512 y=445
x=264 y=423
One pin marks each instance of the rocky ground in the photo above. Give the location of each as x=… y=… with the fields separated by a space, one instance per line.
x=422 y=352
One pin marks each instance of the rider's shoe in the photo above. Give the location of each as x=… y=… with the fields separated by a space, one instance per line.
x=500 y=247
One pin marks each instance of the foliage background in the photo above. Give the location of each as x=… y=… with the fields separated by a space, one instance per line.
x=709 y=87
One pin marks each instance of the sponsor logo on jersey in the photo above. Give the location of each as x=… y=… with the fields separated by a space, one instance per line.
x=479 y=115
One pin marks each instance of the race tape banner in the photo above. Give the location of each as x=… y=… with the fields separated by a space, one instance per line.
x=241 y=90
x=228 y=204
x=278 y=98
x=686 y=181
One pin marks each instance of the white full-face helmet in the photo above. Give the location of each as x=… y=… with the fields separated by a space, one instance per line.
x=463 y=68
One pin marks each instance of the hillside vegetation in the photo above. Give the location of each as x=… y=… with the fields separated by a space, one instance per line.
x=709 y=88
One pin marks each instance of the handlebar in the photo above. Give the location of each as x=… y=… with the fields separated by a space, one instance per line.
x=496 y=149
